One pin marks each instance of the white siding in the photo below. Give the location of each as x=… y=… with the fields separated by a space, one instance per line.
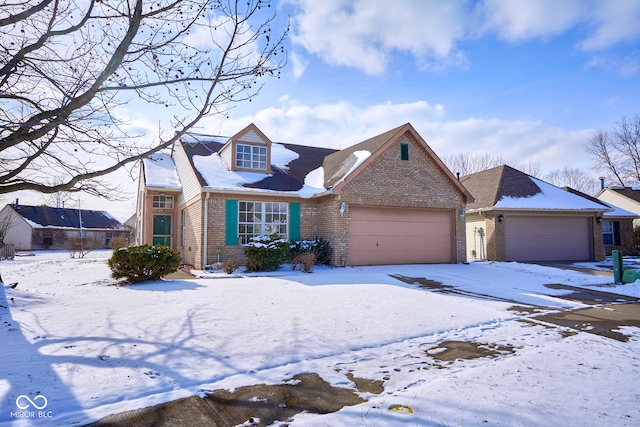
x=252 y=137
x=476 y=237
x=19 y=233
x=190 y=185
x=620 y=201
x=225 y=155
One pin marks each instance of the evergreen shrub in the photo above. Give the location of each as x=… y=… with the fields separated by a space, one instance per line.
x=266 y=253
x=140 y=263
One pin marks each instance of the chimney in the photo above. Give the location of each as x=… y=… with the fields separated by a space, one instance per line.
x=602 y=182
x=17 y=203
x=458 y=175
x=63 y=204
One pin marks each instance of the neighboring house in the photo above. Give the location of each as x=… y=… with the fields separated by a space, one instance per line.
x=516 y=217
x=617 y=227
x=43 y=227
x=387 y=200
x=627 y=198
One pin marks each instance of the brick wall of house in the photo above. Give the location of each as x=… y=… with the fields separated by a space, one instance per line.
x=191 y=245
x=598 y=240
x=390 y=181
x=334 y=227
x=496 y=243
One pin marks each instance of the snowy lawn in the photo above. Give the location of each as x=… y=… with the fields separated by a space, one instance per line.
x=94 y=349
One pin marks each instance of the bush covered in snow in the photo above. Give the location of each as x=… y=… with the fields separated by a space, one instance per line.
x=321 y=248
x=266 y=253
x=140 y=263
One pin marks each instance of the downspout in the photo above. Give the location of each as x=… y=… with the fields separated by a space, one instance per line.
x=206 y=229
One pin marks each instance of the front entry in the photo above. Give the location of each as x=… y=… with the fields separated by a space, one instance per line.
x=162 y=230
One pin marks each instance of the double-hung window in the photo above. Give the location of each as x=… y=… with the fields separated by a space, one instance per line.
x=251 y=157
x=262 y=218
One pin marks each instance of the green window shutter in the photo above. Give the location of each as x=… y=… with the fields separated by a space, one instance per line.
x=231 y=221
x=294 y=221
x=404 y=151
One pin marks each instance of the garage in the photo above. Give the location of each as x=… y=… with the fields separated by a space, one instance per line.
x=400 y=236
x=530 y=238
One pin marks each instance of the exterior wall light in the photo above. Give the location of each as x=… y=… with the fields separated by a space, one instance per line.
x=598 y=219
x=463 y=212
x=500 y=218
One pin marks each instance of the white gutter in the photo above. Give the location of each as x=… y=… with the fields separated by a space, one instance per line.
x=206 y=228
x=265 y=192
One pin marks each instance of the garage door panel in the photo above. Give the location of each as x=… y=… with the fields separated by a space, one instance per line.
x=547 y=239
x=399 y=236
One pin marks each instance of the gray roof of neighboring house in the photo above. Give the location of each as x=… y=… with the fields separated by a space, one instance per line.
x=504 y=187
x=491 y=185
x=45 y=216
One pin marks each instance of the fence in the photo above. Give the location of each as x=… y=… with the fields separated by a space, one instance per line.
x=8 y=251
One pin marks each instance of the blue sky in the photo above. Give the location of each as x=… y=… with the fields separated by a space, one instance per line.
x=529 y=80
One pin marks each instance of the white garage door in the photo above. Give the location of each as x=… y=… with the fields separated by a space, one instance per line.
x=400 y=236
x=547 y=239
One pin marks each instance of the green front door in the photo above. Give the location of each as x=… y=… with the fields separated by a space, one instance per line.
x=162 y=230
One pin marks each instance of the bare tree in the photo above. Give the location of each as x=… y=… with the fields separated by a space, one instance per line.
x=575 y=178
x=468 y=163
x=68 y=70
x=48 y=238
x=617 y=152
x=5 y=225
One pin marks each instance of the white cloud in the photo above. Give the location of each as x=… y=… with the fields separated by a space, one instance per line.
x=527 y=19
x=624 y=66
x=366 y=34
x=343 y=124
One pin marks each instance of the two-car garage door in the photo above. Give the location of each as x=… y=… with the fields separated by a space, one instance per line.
x=547 y=238
x=400 y=236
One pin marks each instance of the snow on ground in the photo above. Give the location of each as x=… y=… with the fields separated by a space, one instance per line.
x=93 y=349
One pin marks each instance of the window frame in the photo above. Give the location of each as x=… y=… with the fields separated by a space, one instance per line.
x=608 y=230
x=262 y=218
x=252 y=158
x=162 y=201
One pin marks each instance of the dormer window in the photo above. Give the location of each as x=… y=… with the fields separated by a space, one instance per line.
x=251 y=157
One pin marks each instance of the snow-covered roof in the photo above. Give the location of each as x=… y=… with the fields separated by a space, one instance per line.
x=504 y=187
x=48 y=217
x=160 y=171
x=549 y=197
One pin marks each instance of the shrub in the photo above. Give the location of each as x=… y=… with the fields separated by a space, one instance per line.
x=118 y=242
x=266 y=253
x=304 y=261
x=320 y=247
x=230 y=265
x=140 y=263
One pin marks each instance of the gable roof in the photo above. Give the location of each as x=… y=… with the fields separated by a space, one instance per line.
x=301 y=170
x=504 y=187
x=345 y=165
x=45 y=216
x=616 y=212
